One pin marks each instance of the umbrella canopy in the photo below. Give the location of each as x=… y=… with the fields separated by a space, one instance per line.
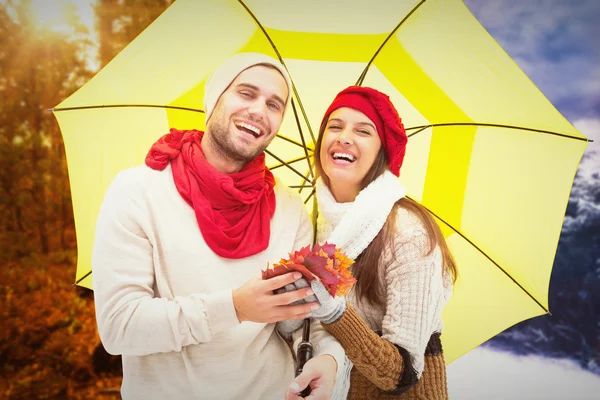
x=488 y=154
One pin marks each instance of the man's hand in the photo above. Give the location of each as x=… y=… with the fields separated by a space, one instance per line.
x=318 y=373
x=255 y=301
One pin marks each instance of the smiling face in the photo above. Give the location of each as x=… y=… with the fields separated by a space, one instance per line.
x=349 y=146
x=245 y=119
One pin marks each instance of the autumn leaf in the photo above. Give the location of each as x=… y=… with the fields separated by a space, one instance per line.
x=272 y=272
x=328 y=248
x=346 y=280
x=324 y=262
x=281 y=269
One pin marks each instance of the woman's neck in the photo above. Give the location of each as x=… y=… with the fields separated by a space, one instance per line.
x=343 y=193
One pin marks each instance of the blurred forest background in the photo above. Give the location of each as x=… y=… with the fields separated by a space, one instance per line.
x=49 y=346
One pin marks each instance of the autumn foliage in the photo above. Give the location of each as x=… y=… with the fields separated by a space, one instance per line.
x=323 y=262
x=49 y=344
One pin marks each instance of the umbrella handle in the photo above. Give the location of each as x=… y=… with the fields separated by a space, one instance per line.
x=304 y=353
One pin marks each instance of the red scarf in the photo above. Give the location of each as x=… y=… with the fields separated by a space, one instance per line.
x=233 y=210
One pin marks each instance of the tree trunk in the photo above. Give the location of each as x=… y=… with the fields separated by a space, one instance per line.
x=19 y=219
x=43 y=232
x=64 y=221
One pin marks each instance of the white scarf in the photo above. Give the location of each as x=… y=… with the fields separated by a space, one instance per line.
x=352 y=226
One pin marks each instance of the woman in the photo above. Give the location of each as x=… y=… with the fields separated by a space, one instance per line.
x=390 y=322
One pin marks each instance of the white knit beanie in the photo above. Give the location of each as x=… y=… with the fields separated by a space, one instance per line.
x=226 y=73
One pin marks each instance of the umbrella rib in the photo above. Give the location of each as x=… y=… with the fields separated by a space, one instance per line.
x=486 y=256
x=423 y=127
x=158 y=106
x=309 y=196
x=264 y=31
x=300 y=187
x=82 y=278
x=363 y=75
x=287 y=139
x=315 y=212
x=126 y=105
x=289 y=162
x=304 y=147
x=286 y=164
x=305 y=179
x=414 y=133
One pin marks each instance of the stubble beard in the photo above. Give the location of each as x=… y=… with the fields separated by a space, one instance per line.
x=223 y=143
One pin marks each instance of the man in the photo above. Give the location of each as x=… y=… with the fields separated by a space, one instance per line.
x=203 y=216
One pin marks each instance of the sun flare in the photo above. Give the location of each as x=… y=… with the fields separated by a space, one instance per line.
x=55 y=14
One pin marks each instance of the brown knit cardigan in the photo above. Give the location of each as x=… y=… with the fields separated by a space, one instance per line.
x=381 y=369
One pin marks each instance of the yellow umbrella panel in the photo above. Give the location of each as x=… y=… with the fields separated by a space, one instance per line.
x=488 y=154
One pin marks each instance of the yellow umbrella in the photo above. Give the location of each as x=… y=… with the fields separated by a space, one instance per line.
x=488 y=154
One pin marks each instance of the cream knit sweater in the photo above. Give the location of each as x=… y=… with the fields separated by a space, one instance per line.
x=164 y=298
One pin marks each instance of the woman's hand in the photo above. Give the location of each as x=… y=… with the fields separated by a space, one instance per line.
x=332 y=308
x=287 y=327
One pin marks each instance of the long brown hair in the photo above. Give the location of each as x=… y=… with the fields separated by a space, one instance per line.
x=366 y=266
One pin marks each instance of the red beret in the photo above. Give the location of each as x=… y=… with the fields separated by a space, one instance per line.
x=378 y=107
